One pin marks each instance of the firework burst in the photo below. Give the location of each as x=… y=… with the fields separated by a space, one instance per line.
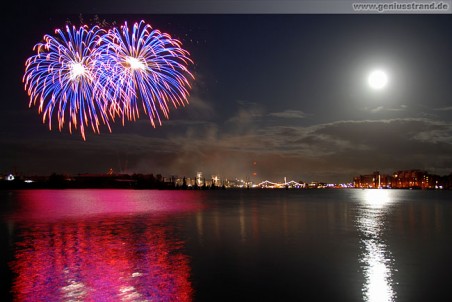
x=62 y=77
x=90 y=76
x=147 y=66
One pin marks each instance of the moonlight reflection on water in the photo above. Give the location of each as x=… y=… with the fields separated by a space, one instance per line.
x=376 y=258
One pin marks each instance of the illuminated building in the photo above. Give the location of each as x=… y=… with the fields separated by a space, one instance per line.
x=405 y=179
x=414 y=179
x=199 y=180
x=372 y=181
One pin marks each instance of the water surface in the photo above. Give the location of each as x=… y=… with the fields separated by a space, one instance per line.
x=226 y=245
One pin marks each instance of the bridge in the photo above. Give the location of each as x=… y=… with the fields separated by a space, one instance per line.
x=279 y=185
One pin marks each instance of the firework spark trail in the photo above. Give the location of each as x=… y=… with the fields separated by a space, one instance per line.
x=62 y=76
x=94 y=75
x=148 y=66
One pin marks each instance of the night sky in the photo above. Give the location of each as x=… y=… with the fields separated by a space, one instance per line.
x=281 y=95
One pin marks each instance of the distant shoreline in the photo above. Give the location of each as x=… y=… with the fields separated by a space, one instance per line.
x=9 y=186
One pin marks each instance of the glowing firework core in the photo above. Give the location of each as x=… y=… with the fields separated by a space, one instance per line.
x=135 y=63
x=77 y=69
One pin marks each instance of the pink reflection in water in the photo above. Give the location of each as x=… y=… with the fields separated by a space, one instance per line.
x=58 y=204
x=100 y=245
x=101 y=260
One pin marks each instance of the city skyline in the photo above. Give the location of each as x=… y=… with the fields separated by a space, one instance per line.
x=278 y=95
x=398 y=179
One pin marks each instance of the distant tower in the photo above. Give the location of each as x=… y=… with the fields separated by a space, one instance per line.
x=253 y=169
x=199 y=181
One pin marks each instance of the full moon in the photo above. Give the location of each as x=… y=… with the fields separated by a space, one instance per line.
x=377 y=79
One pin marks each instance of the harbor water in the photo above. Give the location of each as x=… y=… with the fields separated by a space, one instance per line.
x=226 y=245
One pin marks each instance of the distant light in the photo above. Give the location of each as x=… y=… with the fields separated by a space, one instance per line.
x=10 y=177
x=377 y=79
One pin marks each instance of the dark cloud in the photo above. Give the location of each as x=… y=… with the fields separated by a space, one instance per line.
x=386 y=108
x=289 y=114
x=341 y=147
x=449 y=108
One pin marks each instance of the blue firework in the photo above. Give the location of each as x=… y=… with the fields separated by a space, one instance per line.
x=84 y=76
x=62 y=77
x=143 y=65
